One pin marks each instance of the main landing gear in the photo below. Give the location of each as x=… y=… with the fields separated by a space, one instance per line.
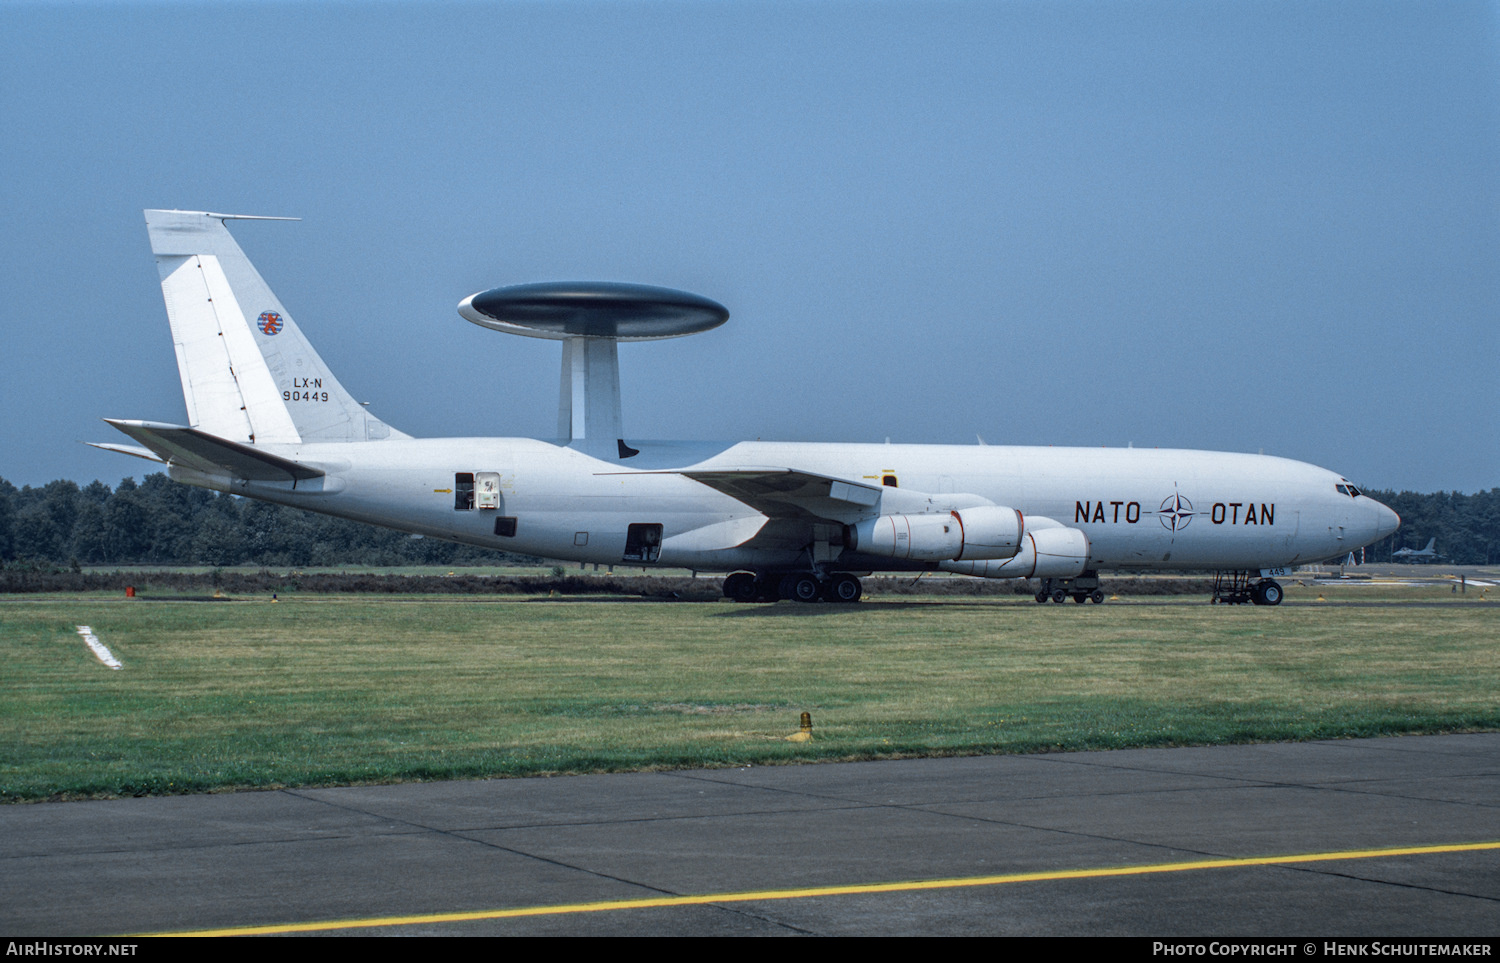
x=801 y=586
x=1084 y=588
x=1235 y=588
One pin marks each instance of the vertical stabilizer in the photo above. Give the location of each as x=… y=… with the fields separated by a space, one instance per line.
x=248 y=374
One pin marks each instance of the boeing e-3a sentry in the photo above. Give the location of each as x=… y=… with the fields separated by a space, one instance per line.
x=266 y=419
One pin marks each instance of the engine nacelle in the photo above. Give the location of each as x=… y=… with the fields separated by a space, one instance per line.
x=1056 y=552
x=981 y=532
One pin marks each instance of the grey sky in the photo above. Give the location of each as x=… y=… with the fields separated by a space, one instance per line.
x=1240 y=226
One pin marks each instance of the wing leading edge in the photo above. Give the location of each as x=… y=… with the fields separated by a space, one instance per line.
x=787 y=493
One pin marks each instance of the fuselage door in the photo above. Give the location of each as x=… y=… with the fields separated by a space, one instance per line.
x=487 y=489
x=642 y=543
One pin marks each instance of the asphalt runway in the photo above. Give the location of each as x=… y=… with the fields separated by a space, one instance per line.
x=1357 y=838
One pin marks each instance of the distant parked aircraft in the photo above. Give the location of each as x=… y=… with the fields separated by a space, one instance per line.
x=1417 y=555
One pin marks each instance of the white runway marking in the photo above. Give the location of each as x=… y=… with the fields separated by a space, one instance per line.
x=99 y=648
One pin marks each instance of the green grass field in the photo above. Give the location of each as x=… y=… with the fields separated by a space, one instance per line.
x=334 y=690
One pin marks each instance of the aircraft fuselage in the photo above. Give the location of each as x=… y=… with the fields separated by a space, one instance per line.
x=1141 y=509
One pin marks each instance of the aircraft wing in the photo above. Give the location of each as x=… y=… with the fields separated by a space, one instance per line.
x=201 y=451
x=786 y=493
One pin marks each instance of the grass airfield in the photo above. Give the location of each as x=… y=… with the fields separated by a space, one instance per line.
x=323 y=690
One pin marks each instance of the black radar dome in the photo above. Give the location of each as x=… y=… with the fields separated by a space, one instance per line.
x=598 y=309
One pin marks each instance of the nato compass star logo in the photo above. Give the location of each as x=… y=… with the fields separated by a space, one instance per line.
x=269 y=323
x=1176 y=512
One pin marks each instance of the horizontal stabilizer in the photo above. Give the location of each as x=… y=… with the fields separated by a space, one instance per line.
x=210 y=454
x=138 y=452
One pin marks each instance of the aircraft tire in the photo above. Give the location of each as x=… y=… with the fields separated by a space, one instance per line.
x=1268 y=593
x=741 y=587
x=1041 y=597
x=844 y=588
x=1097 y=597
x=1080 y=597
x=803 y=588
x=1059 y=596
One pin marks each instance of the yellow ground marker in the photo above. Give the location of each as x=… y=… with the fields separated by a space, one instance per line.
x=857 y=889
x=804 y=734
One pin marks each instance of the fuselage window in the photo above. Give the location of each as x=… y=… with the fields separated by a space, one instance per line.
x=889 y=481
x=463 y=491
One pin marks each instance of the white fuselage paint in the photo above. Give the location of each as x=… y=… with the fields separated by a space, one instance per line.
x=1141 y=509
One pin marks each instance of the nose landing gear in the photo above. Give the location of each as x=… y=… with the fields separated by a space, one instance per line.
x=1235 y=588
x=1266 y=592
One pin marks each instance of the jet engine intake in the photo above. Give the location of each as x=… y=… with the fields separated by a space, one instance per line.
x=981 y=532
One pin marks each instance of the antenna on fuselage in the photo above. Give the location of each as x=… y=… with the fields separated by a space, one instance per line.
x=591 y=318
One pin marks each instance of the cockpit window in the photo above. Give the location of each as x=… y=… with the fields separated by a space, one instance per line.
x=1353 y=492
x=1347 y=489
x=1343 y=489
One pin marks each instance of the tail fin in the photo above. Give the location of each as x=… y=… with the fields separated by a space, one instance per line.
x=248 y=374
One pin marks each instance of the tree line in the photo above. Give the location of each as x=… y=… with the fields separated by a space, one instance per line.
x=163 y=523
x=160 y=522
x=1467 y=527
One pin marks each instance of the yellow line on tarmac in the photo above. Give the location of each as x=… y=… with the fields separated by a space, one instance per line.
x=808 y=892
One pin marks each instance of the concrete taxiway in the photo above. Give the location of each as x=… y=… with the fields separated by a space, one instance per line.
x=1367 y=837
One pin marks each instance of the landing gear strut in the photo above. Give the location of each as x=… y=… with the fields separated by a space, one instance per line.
x=1235 y=588
x=1084 y=588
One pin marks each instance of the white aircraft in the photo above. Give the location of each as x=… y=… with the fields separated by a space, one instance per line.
x=267 y=419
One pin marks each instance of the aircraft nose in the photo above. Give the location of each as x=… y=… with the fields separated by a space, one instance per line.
x=1386 y=521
